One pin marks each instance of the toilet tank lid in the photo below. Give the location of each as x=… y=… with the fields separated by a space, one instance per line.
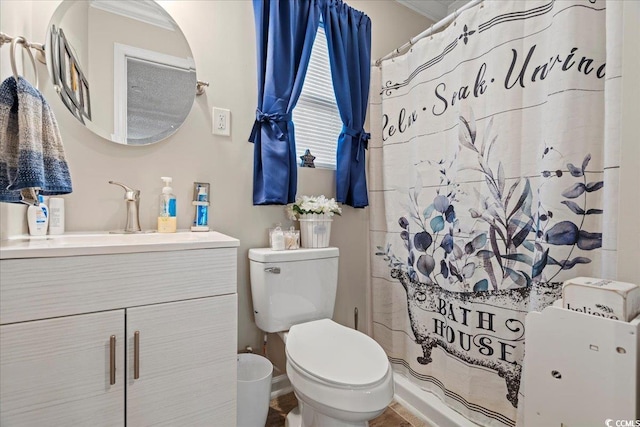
x=268 y=255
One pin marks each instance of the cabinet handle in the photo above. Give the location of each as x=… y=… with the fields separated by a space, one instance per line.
x=112 y=360
x=136 y=355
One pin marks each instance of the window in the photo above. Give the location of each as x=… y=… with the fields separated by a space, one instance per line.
x=148 y=85
x=316 y=118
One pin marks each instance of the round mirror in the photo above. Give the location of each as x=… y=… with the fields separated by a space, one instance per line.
x=123 y=68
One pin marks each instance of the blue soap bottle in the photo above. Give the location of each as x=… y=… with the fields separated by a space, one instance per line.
x=203 y=210
x=201 y=202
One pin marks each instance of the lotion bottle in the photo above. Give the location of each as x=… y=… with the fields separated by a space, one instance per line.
x=38 y=218
x=56 y=215
x=167 y=220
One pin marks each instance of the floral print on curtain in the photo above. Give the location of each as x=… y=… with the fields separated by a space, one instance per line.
x=494 y=163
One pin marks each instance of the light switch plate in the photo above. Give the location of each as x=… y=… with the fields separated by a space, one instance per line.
x=221 y=119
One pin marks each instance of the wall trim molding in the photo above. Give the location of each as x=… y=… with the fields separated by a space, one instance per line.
x=433 y=10
x=280 y=385
x=143 y=11
x=426 y=405
x=457 y=4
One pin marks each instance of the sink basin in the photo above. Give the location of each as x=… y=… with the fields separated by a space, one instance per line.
x=72 y=238
x=95 y=243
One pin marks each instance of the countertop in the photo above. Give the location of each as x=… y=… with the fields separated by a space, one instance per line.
x=96 y=243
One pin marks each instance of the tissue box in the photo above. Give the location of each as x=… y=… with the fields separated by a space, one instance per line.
x=604 y=298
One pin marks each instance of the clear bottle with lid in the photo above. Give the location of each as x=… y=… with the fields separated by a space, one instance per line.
x=167 y=220
x=277 y=239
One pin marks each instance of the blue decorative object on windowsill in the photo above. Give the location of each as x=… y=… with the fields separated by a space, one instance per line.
x=307 y=160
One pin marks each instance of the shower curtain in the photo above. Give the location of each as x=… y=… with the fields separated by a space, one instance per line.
x=493 y=172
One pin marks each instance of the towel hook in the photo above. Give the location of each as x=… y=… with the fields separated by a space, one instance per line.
x=4 y=38
x=431 y=32
x=455 y=17
x=25 y=45
x=200 y=85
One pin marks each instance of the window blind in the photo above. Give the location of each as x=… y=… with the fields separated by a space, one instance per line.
x=316 y=117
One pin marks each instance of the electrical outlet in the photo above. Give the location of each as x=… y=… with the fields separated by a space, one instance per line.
x=221 y=119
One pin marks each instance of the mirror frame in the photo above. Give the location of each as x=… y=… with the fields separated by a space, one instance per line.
x=73 y=87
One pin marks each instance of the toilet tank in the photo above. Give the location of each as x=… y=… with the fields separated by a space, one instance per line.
x=293 y=286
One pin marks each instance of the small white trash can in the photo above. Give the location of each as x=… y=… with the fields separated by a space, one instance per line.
x=254 y=389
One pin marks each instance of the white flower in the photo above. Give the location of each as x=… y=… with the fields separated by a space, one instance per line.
x=313 y=204
x=290 y=212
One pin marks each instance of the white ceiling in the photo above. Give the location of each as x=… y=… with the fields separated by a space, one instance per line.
x=433 y=9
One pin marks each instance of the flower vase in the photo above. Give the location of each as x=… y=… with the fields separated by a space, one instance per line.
x=315 y=230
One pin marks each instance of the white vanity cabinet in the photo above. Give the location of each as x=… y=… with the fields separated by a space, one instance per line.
x=139 y=332
x=56 y=371
x=185 y=352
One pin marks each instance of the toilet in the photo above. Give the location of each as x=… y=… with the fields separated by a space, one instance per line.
x=341 y=377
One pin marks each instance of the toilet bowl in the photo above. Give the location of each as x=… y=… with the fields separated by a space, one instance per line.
x=341 y=377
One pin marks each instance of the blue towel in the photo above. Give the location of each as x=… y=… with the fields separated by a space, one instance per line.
x=31 y=153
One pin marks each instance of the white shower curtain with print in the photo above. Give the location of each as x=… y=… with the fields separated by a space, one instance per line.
x=493 y=177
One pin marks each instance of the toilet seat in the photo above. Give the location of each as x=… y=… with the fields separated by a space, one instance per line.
x=338 y=371
x=334 y=354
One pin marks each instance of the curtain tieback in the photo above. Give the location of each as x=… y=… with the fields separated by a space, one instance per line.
x=361 y=137
x=273 y=119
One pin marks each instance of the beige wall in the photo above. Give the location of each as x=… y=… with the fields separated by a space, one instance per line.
x=222 y=39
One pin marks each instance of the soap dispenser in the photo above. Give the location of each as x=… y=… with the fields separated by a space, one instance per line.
x=167 y=221
x=201 y=203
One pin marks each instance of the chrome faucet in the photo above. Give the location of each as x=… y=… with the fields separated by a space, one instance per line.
x=133 y=203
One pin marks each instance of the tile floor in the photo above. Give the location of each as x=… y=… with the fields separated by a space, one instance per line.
x=394 y=416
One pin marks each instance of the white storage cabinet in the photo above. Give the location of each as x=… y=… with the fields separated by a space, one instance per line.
x=142 y=338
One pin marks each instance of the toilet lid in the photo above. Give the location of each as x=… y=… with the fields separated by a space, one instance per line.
x=336 y=354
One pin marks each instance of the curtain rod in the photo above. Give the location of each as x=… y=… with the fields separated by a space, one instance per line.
x=432 y=29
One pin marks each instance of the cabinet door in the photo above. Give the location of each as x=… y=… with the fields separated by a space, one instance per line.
x=187 y=363
x=57 y=372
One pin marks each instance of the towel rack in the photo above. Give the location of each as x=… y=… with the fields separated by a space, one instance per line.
x=14 y=68
x=200 y=85
x=4 y=38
